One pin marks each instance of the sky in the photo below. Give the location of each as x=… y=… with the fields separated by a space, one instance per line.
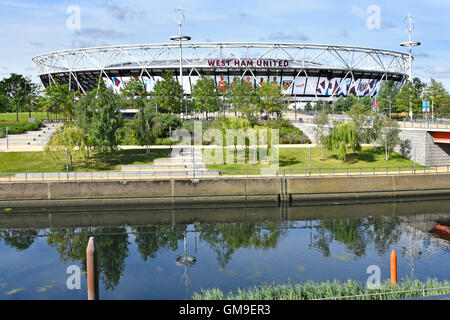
x=29 y=28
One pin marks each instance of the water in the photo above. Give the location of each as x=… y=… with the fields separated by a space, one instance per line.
x=229 y=246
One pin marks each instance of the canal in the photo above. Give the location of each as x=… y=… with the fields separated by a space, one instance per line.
x=170 y=252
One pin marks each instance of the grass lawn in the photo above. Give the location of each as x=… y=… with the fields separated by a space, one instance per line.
x=298 y=159
x=23 y=116
x=21 y=162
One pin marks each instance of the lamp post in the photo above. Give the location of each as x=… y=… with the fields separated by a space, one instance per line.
x=179 y=19
x=432 y=108
x=67 y=163
x=410 y=43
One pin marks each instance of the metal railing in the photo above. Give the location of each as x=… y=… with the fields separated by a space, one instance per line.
x=219 y=173
x=392 y=293
x=440 y=124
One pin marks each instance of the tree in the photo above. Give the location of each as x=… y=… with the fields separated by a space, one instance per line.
x=389 y=135
x=168 y=95
x=410 y=94
x=4 y=103
x=343 y=137
x=271 y=99
x=388 y=92
x=320 y=131
x=373 y=132
x=358 y=113
x=242 y=97
x=205 y=95
x=344 y=104
x=60 y=99
x=308 y=107
x=438 y=96
x=18 y=90
x=71 y=137
x=134 y=93
x=148 y=126
x=100 y=117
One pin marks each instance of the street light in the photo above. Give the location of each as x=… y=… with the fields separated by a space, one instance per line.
x=67 y=163
x=410 y=43
x=179 y=19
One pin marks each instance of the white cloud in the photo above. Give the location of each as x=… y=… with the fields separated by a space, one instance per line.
x=288 y=36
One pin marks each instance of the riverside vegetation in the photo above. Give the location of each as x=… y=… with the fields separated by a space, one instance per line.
x=315 y=290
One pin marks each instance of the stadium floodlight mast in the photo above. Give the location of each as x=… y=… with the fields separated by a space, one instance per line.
x=410 y=22
x=179 y=19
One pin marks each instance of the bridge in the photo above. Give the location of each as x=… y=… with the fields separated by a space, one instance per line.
x=429 y=141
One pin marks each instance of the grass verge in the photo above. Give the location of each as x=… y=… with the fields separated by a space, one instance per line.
x=296 y=161
x=314 y=290
x=21 y=162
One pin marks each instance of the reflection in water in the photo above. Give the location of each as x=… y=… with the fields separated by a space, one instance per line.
x=153 y=235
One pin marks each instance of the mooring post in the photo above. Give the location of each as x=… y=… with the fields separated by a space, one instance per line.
x=92 y=270
x=393 y=268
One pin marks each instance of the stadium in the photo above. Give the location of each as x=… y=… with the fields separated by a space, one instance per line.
x=305 y=72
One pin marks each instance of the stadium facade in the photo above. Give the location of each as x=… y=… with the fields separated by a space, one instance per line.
x=305 y=72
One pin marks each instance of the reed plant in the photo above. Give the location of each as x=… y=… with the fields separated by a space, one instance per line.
x=351 y=290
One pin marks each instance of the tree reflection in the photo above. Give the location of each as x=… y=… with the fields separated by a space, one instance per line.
x=151 y=239
x=111 y=242
x=19 y=239
x=356 y=234
x=224 y=239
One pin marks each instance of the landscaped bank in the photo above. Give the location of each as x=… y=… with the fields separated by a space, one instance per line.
x=313 y=290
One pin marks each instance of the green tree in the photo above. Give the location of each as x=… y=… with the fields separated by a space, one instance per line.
x=205 y=95
x=436 y=93
x=71 y=137
x=4 y=103
x=389 y=137
x=18 y=90
x=321 y=131
x=410 y=94
x=242 y=98
x=358 y=113
x=59 y=99
x=148 y=126
x=387 y=95
x=373 y=132
x=343 y=137
x=308 y=107
x=343 y=104
x=134 y=93
x=168 y=95
x=100 y=116
x=271 y=99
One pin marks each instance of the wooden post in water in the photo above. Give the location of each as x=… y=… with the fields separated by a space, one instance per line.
x=92 y=270
x=393 y=268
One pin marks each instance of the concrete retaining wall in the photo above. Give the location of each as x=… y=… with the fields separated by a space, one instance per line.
x=228 y=189
x=152 y=191
x=368 y=187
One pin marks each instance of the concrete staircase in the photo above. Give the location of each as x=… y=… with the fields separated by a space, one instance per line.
x=188 y=163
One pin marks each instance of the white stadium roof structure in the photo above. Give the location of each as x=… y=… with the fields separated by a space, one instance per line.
x=305 y=71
